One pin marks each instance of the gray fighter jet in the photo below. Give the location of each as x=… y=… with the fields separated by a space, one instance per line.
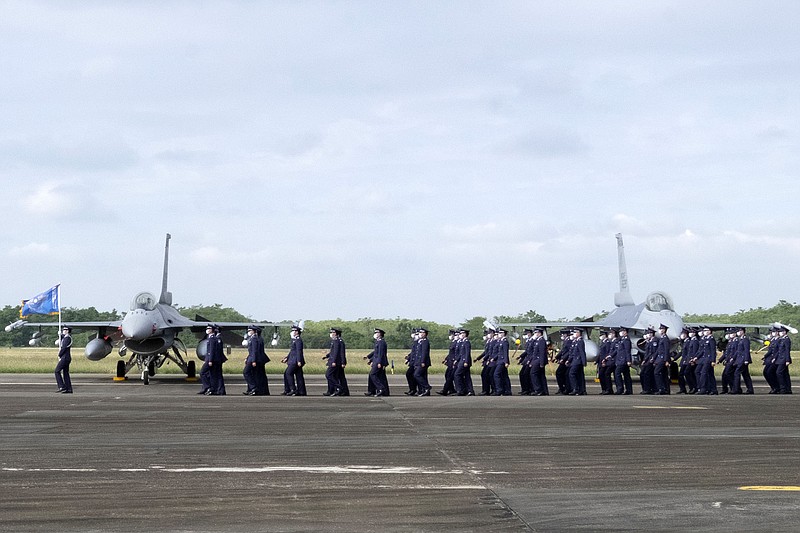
x=149 y=332
x=657 y=309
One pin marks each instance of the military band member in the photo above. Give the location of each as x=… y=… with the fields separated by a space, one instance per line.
x=294 y=382
x=706 y=360
x=609 y=363
x=623 y=361
x=728 y=360
x=576 y=363
x=783 y=359
x=449 y=365
x=63 y=380
x=742 y=361
x=422 y=363
x=502 y=384
x=770 y=369
x=379 y=360
x=538 y=362
x=562 y=378
x=647 y=366
x=334 y=362
x=487 y=369
x=463 y=363
x=411 y=362
x=662 y=361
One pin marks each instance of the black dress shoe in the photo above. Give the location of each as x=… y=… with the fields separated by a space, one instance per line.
x=379 y=394
x=247 y=393
x=471 y=393
x=426 y=393
x=410 y=393
x=60 y=391
x=369 y=394
x=66 y=392
x=202 y=392
x=326 y=393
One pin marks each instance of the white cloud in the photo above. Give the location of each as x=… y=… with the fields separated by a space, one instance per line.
x=33 y=249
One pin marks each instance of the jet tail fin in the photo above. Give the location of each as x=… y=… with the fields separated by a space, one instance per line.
x=623 y=297
x=166 y=296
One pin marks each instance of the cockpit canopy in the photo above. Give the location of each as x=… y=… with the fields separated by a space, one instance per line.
x=659 y=301
x=144 y=300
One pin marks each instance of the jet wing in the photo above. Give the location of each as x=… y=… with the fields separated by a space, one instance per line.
x=73 y=325
x=719 y=327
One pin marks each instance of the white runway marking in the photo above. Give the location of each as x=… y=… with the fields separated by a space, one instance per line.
x=668 y=407
x=349 y=469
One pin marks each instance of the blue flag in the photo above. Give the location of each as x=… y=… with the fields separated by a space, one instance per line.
x=41 y=304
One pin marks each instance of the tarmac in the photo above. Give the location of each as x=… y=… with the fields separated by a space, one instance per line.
x=128 y=457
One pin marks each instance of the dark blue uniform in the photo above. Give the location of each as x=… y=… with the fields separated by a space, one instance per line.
x=463 y=363
x=728 y=359
x=249 y=371
x=561 y=371
x=623 y=360
x=411 y=362
x=661 y=365
x=742 y=361
x=62 y=367
x=538 y=362
x=770 y=369
x=487 y=370
x=783 y=359
x=334 y=361
x=377 y=371
x=450 y=370
x=576 y=361
x=294 y=383
x=422 y=362
x=502 y=384
x=706 y=355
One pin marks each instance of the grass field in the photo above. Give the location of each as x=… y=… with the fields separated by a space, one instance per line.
x=43 y=361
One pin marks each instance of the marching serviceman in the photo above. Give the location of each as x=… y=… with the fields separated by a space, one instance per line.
x=623 y=360
x=769 y=361
x=411 y=359
x=333 y=363
x=562 y=379
x=610 y=363
x=294 y=383
x=600 y=361
x=742 y=362
x=783 y=359
x=249 y=371
x=647 y=366
x=502 y=384
x=538 y=362
x=422 y=363
x=576 y=362
x=379 y=360
x=217 y=360
x=64 y=359
x=728 y=360
x=706 y=359
x=463 y=362
x=487 y=370
x=662 y=361
x=685 y=369
x=449 y=365
x=525 y=384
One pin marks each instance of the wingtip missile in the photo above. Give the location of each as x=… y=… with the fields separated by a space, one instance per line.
x=15 y=325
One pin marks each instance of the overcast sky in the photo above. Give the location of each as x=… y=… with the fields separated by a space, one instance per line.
x=434 y=160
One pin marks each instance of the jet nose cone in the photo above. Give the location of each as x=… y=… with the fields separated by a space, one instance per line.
x=137 y=326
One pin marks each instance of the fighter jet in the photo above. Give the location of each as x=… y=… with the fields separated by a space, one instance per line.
x=657 y=309
x=149 y=332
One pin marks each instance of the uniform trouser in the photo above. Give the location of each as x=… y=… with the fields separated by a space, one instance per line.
x=577 y=380
x=661 y=375
x=684 y=374
x=727 y=376
x=377 y=381
x=601 y=375
x=487 y=379
x=217 y=380
x=62 y=373
x=449 y=377
x=784 y=382
x=647 y=377
x=344 y=389
x=707 y=381
x=525 y=381
x=608 y=370
x=412 y=383
x=742 y=372
x=262 y=382
x=332 y=375
x=539 y=380
x=562 y=379
x=622 y=377
x=293 y=380
x=502 y=386
x=205 y=377
x=421 y=377
x=771 y=376
x=250 y=377
x=463 y=380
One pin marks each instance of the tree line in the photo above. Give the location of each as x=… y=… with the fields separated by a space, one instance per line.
x=356 y=333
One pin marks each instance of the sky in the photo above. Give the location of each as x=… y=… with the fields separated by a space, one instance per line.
x=435 y=160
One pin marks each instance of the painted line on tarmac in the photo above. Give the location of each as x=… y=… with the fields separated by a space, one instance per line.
x=350 y=469
x=692 y=408
x=772 y=488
